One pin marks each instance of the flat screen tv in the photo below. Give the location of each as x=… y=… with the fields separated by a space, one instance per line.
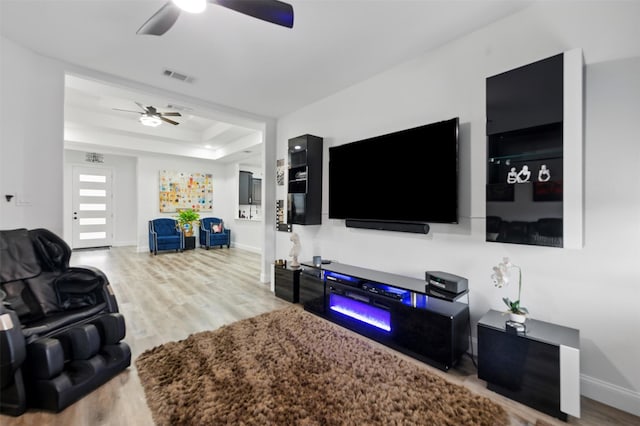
x=409 y=176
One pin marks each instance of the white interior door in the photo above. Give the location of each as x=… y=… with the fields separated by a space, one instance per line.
x=92 y=210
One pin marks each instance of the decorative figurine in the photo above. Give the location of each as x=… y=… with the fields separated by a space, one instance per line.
x=544 y=174
x=295 y=251
x=523 y=175
x=512 y=176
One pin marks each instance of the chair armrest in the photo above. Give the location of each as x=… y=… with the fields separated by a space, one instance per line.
x=204 y=235
x=153 y=237
x=81 y=286
x=80 y=280
x=181 y=234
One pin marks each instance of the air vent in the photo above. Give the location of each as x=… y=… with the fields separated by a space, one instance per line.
x=178 y=76
x=179 y=107
x=94 y=157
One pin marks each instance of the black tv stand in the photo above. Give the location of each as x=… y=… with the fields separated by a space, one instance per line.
x=391 y=309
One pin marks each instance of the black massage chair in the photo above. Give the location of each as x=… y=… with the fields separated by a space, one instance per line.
x=60 y=330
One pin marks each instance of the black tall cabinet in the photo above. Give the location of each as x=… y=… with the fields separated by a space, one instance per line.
x=533 y=132
x=304 y=199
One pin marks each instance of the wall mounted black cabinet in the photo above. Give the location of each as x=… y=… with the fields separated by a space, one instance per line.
x=525 y=97
x=249 y=189
x=256 y=191
x=304 y=199
x=244 y=187
x=534 y=153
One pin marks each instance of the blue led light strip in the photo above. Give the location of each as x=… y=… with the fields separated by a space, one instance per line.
x=336 y=276
x=368 y=314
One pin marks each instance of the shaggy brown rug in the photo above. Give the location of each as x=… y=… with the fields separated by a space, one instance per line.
x=289 y=367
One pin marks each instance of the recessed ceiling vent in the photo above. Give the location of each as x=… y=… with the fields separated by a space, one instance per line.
x=93 y=157
x=179 y=107
x=178 y=76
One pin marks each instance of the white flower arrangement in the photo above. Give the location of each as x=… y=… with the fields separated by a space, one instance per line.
x=500 y=279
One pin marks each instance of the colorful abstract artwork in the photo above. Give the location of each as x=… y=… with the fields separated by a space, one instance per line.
x=279 y=212
x=179 y=190
x=280 y=169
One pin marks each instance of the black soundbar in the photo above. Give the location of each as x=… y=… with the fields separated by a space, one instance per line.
x=414 y=227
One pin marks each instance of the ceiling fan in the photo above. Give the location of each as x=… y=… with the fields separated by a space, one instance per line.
x=273 y=11
x=152 y=117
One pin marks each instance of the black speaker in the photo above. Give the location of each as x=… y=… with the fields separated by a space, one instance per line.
x=414 y=227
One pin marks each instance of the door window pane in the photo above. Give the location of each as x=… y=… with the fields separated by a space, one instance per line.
x=93 y=221
x=92 y=235
x=92 y=207
x=93 y=193
x=92 y=178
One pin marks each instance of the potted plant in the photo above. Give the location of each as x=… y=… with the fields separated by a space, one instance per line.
x=188 y=218
x=500 y=278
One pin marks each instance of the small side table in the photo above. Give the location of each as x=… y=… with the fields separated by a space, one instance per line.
x=539 y=368
x=287 y=285
x=189 y=243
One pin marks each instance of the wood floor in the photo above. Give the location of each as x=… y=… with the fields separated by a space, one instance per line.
x=171 y=295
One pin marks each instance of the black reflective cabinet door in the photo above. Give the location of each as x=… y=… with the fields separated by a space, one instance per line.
x=524 y=190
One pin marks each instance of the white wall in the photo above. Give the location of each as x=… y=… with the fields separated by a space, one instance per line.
x=124 y=194
x=249 y=231
x=31 y=139
x=149 y=167
x=128 y=183
x=246 y=234
x=31 y=152
x=595 y=289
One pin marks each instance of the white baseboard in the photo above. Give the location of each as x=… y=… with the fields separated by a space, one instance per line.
x=124 y=243
x=616 y=396
x=247 y=248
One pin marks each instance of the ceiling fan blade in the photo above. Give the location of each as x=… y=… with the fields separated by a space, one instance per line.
x=175 y=123
x=161 y=21
x=273 y=11
x=144 y=108
x=170 y=114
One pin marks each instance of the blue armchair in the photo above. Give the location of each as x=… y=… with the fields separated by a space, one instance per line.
x=214 y=233
x=165 y=234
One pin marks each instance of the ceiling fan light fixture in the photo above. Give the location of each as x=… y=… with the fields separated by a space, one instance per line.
x=191 y=6
x=150 y=120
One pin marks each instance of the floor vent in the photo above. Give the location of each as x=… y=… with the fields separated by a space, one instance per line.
x=178 y=76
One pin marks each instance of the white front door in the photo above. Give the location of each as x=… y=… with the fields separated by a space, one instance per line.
x=92 y=215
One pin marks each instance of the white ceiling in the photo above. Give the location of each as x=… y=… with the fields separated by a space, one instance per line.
x=235 y=61
x=94 y=121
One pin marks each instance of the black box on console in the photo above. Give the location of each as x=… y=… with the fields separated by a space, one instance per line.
x=446 y=281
